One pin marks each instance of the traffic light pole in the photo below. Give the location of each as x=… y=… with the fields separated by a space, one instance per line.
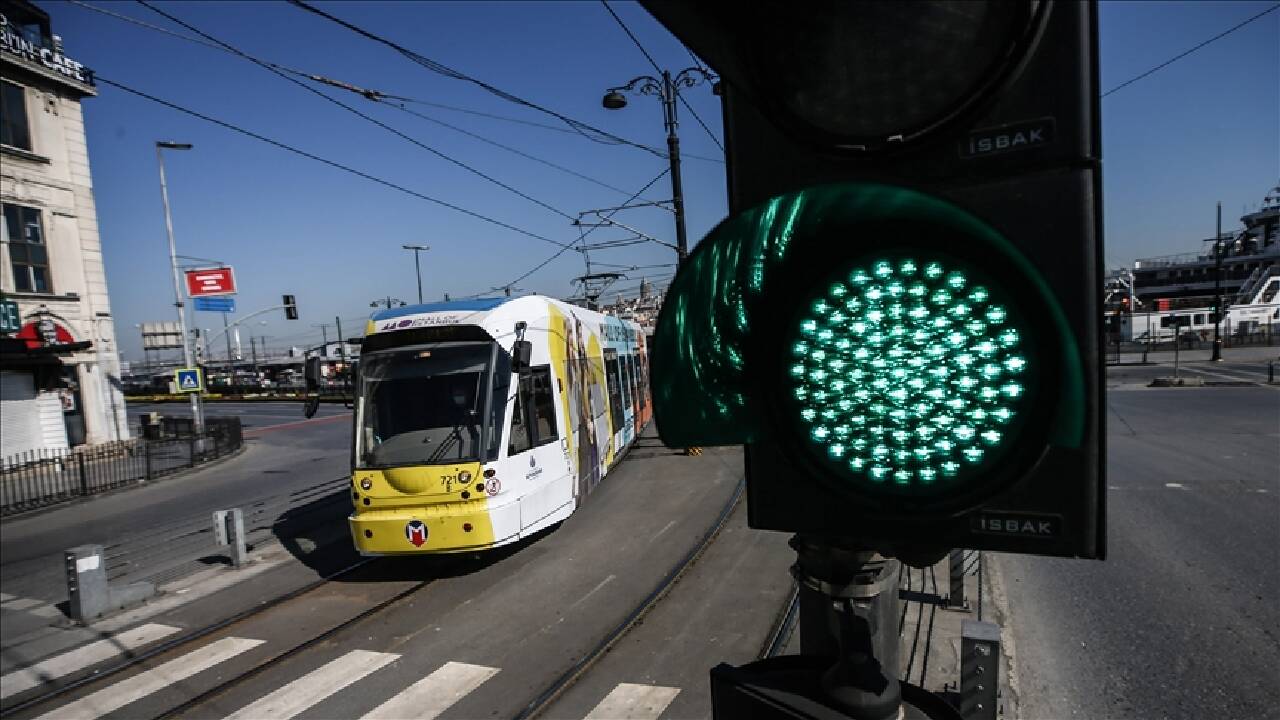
x=848 y=666
x=849 y=611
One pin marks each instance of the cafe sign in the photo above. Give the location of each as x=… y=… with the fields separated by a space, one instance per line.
x=12 y=42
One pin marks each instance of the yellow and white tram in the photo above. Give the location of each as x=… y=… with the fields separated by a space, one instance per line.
x=481 y=422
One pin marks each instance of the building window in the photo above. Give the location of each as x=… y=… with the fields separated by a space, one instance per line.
x=27 y=251
x=14 y=131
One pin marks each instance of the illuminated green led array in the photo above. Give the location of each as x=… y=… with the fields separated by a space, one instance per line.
x=908 y=373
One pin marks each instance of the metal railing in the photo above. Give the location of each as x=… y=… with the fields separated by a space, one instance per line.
x=291 y=392
x=40 y=478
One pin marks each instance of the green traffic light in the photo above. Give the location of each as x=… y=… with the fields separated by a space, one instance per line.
x=907 y=373
x=874 y=338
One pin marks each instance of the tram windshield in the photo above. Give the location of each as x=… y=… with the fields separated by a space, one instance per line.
x=430 y=404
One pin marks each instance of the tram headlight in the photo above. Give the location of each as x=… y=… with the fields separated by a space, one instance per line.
x=366 y=484
x=464 y=477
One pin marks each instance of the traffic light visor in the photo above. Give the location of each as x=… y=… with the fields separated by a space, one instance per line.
x=895 y=341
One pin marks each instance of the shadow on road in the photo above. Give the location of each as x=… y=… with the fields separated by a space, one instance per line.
x=317 y=535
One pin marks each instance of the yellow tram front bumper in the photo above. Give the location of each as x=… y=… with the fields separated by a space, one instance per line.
x=425 y=509
x=451 y=527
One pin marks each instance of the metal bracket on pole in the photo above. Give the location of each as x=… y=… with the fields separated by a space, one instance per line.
x=979 y=670
x=228 y=529
x=956 y=599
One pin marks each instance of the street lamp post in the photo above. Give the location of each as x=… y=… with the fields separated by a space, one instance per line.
x=667 y=89
x=197 y=407
x=1217 y=290
x=417 y=268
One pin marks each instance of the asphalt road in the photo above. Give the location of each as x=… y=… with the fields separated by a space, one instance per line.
x=485 y=637
x=1181 y=620
x=283 y=453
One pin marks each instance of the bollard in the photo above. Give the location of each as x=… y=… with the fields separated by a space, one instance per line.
x=979 y=670
x=88 y=594
x=955 y=600
x=228 y=529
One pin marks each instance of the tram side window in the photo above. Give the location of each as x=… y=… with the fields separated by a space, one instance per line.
x=533 y=419
x=521 y=437
x=628 y=362
x=615 y=392
x=624 y=384
x=542 y=405
x=642 y=384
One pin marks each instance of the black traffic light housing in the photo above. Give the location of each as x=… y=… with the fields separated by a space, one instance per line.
x=290 y=308
x=1018 y=150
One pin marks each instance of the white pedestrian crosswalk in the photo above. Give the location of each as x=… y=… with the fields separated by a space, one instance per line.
x=114 y=697
x=425 y=699
x=433 y=694
x=315 y=686
x=629 y=701
x=39 y=608
x=95 y=652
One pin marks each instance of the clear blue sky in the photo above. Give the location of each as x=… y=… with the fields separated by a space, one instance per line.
x=1204 y=129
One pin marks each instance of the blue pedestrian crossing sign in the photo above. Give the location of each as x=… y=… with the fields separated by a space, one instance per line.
x=189 y=380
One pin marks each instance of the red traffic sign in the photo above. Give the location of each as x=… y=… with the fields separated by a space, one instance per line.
x=211 y=281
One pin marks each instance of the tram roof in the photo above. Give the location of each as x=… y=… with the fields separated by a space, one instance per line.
x=477 y=305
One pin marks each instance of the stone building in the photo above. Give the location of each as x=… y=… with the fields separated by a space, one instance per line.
x=59 y=365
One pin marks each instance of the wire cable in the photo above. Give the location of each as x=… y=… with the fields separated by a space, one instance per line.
x=376 y=96
x=354 y=111
x=654 y=63
x=330 y=163
x=379 y=95
x=445 y=70
x=508 y=148
x=562 y=251
x=1181 y=55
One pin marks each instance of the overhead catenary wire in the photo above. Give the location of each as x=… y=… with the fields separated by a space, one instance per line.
x=1185 y=53
x=317 y=78
x=374 y=95
x=583 y=236
x=658 y=69
x=449 y=72
x=331 y=163
x=354 y=111
x=508 y=148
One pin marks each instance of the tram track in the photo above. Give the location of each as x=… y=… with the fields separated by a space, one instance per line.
x=186 y=639
x=575 y=673
x=300 y=597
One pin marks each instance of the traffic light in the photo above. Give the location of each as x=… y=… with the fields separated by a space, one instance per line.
x=290 y=308
x=900 y=317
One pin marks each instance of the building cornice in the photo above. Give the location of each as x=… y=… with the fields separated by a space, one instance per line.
x=8 y=60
